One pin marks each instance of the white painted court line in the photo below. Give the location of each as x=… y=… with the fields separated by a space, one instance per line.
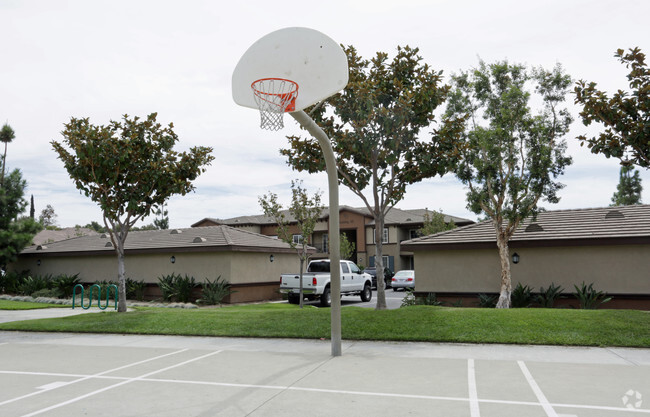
x=550 y=412
x=473 y=394
x=344 y=392
x=127 y=381
x=83 y=378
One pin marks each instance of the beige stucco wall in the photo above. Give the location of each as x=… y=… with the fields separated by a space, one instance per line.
x=236 y=267
x=623 y=269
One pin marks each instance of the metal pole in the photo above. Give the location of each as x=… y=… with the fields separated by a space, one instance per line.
x=335 y=243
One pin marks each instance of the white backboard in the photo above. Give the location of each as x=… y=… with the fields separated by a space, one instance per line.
x=306 y=56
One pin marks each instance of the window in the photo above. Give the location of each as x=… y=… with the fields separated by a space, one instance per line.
x=345 y=268
x=384 y=236
x=354 y=269
x=297 y=239
x=413 y=233
x=325 y=243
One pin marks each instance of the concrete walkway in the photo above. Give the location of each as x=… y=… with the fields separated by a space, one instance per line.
x=63 y=374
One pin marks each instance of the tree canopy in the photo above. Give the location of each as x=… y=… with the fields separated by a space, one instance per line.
x=15 y=233
x=512 y=157
x=374 y=126
x=434 y=222
x=625 y=116
x=128 y=167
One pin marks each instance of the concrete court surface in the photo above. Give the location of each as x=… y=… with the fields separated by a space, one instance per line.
x=63 y=374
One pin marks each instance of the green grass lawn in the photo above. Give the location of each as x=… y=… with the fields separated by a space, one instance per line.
x=417 y=323
x=23 y=305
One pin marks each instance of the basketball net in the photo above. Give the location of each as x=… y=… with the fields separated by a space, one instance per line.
x=274 y=97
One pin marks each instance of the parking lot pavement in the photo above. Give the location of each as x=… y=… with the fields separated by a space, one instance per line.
x=66 y=374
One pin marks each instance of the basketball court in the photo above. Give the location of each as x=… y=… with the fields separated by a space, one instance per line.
x=115 y=375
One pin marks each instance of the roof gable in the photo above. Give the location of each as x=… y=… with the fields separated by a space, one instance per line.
x=190 y=239
x=623 y=222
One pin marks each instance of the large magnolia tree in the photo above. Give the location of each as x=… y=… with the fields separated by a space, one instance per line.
x=513 y=156
x=625 y=115
x=128 y=168
x=375 y=127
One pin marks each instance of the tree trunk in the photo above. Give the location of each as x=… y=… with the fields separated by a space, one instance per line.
x=121 y=280
x=506 y=278
x=379 y=263
x=4 y=165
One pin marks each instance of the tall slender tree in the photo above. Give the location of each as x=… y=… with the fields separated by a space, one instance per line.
x=513 y=157
x=304 y=212
x=7 y=134
x=128 y=168
x=375 y=125
x=628 y=190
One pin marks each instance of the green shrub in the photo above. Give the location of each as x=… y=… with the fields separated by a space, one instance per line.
x=166 y=285
x=487 y=301
x=11 y=281
x=213 y=292
x=49 y=293
x=176 y=287
x=411 y=300
x=65 y=284
x=183 y=287
x=32 y=284
x=546 y=297
x=589 y=298
x=521 y=296
x=135 y=289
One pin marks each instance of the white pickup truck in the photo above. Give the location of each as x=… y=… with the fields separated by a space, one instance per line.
x=316 y=282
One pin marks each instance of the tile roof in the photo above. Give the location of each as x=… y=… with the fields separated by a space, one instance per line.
x=190 y=239
x=622 y=222
x=394 y=216
x=49 y=236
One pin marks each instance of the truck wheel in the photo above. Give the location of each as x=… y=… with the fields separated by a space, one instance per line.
x=366 y=294
x=294 y=299
x=326 y=298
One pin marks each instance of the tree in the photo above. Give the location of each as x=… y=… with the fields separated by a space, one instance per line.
x=7 y=134
x=32 y=211
x=15 y=233
x=161 y=222
x=96 y=227
x=626 y=116
x=513 y=157
x=628 y=190
x=305 y=212
x=347 y=247
x=47 y=217
x=128 y=168
x=374 y=126
x=435 y=223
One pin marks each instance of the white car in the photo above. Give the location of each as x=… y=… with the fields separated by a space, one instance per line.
x=403 y=279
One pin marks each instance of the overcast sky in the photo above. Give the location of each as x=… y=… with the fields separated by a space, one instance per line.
x=103 y=59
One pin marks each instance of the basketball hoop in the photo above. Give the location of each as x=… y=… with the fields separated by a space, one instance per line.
x=274 y=97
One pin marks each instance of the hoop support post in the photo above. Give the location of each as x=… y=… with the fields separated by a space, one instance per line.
x=335 y=243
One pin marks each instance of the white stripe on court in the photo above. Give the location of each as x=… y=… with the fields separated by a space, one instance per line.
x=84 y=378
x=128 y=381
x=550 y=412
x=473 y=393
x=623 y=410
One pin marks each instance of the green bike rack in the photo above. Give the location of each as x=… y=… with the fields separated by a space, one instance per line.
x=99 y=296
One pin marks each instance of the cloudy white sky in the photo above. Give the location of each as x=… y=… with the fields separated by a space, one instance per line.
x=102 y=59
